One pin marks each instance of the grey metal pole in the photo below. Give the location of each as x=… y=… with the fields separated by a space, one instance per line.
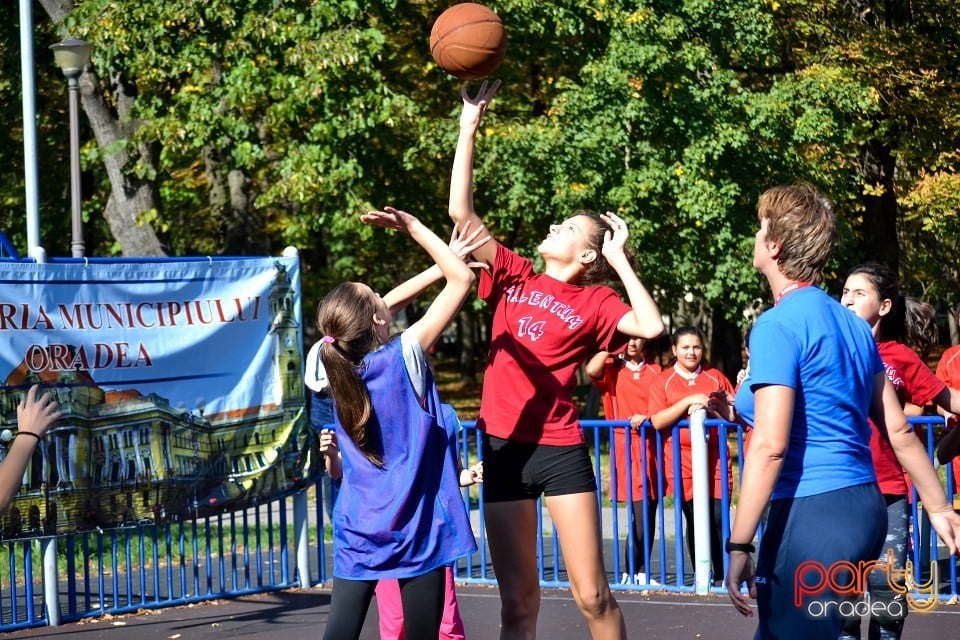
x=76 y=245
x=72 y=55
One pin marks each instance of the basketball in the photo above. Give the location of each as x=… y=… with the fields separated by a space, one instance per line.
x=468 y=41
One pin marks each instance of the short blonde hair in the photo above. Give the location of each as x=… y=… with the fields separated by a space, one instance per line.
x=802 y=221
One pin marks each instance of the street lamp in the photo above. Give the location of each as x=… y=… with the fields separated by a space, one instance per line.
x=72 y=55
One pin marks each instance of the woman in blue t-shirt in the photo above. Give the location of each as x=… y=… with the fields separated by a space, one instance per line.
x=815 y=376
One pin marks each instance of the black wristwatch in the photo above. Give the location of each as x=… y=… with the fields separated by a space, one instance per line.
x=744 y=547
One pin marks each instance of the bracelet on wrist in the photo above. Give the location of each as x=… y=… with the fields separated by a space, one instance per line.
x=743 y=547
x=29 y=433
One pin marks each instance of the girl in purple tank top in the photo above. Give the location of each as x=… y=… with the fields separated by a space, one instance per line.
x=399 y=513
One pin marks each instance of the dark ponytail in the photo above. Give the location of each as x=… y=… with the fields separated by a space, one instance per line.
x=345 y=318
x=910 y=321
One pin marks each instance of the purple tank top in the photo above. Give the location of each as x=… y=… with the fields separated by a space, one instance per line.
x=406 y=518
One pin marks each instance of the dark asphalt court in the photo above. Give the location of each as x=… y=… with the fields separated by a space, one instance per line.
x=298 y=614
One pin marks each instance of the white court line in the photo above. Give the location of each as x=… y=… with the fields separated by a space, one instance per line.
x=951 y=610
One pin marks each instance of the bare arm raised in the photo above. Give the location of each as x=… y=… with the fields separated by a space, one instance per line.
x=643 y=320
x=459 y=276
x=461 y=180
x=34 y=417
x=463 y=242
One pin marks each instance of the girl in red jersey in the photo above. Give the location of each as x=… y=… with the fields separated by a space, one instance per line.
x=679 y=391
x=624 y=382
x=871 y=292
x=544 y=326
x=948 y=370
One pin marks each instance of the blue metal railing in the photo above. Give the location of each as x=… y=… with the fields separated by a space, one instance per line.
x=125 y=569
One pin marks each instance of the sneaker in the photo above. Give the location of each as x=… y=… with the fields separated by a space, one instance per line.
x=641 y=578
x=625 y=578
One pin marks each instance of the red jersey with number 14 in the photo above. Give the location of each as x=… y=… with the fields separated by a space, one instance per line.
x=543 y=329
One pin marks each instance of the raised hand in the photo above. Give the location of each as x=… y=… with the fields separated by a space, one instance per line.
x=463 y=242
x=390 y=218
x=474 y=108
x=36 y=415
x=615 y=238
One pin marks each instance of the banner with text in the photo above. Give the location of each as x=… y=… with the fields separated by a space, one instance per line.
x=180 y=385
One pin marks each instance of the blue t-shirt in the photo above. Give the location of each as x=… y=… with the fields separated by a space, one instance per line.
x=827 y=355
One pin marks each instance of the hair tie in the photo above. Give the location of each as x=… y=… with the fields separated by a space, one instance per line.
x=328 y=339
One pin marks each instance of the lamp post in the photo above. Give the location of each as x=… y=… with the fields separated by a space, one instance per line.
x=72 y=55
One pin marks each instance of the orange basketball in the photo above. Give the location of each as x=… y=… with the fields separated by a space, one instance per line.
x=468 y=41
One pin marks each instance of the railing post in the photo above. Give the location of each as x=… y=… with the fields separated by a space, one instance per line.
x=701 y=501
x=51 y=588
x=301 y=535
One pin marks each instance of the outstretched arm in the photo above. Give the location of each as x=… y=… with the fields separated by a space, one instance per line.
x=459 y=277
x=461 y=179
x=463 y=242
x=34 y=417
x=595 y=365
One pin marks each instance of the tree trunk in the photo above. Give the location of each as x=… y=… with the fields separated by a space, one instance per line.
x=879 y=228
x=468 y=346
x=231 y=206
x=130 y=197
x=726 y=345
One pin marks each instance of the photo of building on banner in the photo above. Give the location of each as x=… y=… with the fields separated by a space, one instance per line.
x=180 y=386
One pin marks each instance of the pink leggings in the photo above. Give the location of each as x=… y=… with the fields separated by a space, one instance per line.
x=391 y=610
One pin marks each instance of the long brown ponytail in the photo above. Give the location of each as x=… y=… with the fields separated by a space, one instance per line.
x=345 y=318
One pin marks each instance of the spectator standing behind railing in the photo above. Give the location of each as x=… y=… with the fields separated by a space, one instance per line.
x=897 y=323
x=624 y=382
x=815 y=374
x=320 y=411
x=34 y=417
x=948 y=370
x=676 y=393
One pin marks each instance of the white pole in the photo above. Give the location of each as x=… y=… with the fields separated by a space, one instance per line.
x=300 y=532
x=701 y=502
x=51 y=588
x=30 y=172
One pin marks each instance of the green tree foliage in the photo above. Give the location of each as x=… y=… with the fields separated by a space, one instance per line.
x=679 y=121
x=903 y=178
x=52 y=133
x=265 y=123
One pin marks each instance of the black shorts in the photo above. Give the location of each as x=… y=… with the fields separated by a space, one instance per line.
x=525 y=471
